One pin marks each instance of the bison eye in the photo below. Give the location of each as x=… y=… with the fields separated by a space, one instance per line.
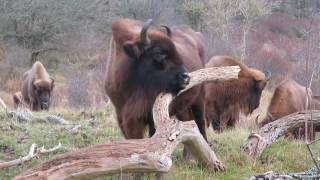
x=159 y=55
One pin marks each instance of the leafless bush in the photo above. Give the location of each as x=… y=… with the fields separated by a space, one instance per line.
x=17 y=56
x=139 y=9
x=78 y=95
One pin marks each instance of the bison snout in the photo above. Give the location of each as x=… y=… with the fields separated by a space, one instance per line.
x=45 y=105
x=184 y=79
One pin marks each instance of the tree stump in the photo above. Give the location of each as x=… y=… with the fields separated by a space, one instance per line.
x=140 y=155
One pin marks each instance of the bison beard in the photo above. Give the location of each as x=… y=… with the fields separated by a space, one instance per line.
x=37 y=86
x=224 y=101
x=146 y=61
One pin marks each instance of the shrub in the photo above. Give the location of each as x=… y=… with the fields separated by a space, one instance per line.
x=78 y=95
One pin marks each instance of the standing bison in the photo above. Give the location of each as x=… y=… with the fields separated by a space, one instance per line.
x=147 y=60
x=289 y=97
x=37 y=86
x=225 y=100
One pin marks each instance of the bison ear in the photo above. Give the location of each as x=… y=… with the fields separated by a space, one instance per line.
x=260 y=85
x=131 y=49
x=34 y=84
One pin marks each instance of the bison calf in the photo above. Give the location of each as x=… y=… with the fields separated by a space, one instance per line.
x=225 y=100
x=37 y=86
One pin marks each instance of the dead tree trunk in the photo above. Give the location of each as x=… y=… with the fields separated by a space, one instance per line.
x=270 y=132
x=141 y=155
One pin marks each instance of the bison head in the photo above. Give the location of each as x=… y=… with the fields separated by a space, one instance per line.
x=260 y=82
x=43 y=89
x=155 y=62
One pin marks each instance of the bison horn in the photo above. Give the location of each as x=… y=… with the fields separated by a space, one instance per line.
x=257 y=119
x=143 y=35
x=167 y=29
x=268 y=75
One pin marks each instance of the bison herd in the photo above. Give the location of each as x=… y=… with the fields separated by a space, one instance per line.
x=148 y=59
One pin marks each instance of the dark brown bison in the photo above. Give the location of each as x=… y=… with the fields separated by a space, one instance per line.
x=225 y=100
x=289 y=97
x=37 y=86
x=17 y=99
x=146 y=60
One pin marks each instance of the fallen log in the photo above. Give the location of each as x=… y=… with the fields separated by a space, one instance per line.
x=269 y=133
x=140 y=155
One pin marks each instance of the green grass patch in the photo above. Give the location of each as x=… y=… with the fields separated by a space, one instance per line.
x=16 y=139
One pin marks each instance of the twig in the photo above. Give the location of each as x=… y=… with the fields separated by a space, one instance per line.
x=314 y=141
x=42 y=150
x=313 y=158
x=33 y=152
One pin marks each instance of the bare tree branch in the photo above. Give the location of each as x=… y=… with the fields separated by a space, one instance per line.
x=33 y=152
x=269 y=133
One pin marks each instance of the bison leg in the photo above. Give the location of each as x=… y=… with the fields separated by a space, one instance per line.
x=133 y=128
x=150 y=121
x=198 y=113
x=213 y=118
x=185 y=116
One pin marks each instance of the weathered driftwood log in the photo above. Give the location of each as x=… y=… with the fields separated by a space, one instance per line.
x=140 y=155
x=269 y=133
x=33 y=152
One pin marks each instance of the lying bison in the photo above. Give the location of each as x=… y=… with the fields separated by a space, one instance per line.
x=225 y=100
x=37 y=86
x=289 y=97
x=148 y=59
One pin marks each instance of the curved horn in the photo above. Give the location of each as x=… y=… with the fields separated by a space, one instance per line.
x=167 y=29
x=257 y=119
x=143 y=35
x=268 y=75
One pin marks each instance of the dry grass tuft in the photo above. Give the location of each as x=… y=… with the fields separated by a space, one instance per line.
x=250 y=121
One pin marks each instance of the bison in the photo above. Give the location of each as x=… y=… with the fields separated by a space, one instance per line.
x=225 y=100
x=289 y=97
x=37 y=86
x=149 y=59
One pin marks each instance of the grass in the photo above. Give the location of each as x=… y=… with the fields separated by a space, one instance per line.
x=16 y=138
